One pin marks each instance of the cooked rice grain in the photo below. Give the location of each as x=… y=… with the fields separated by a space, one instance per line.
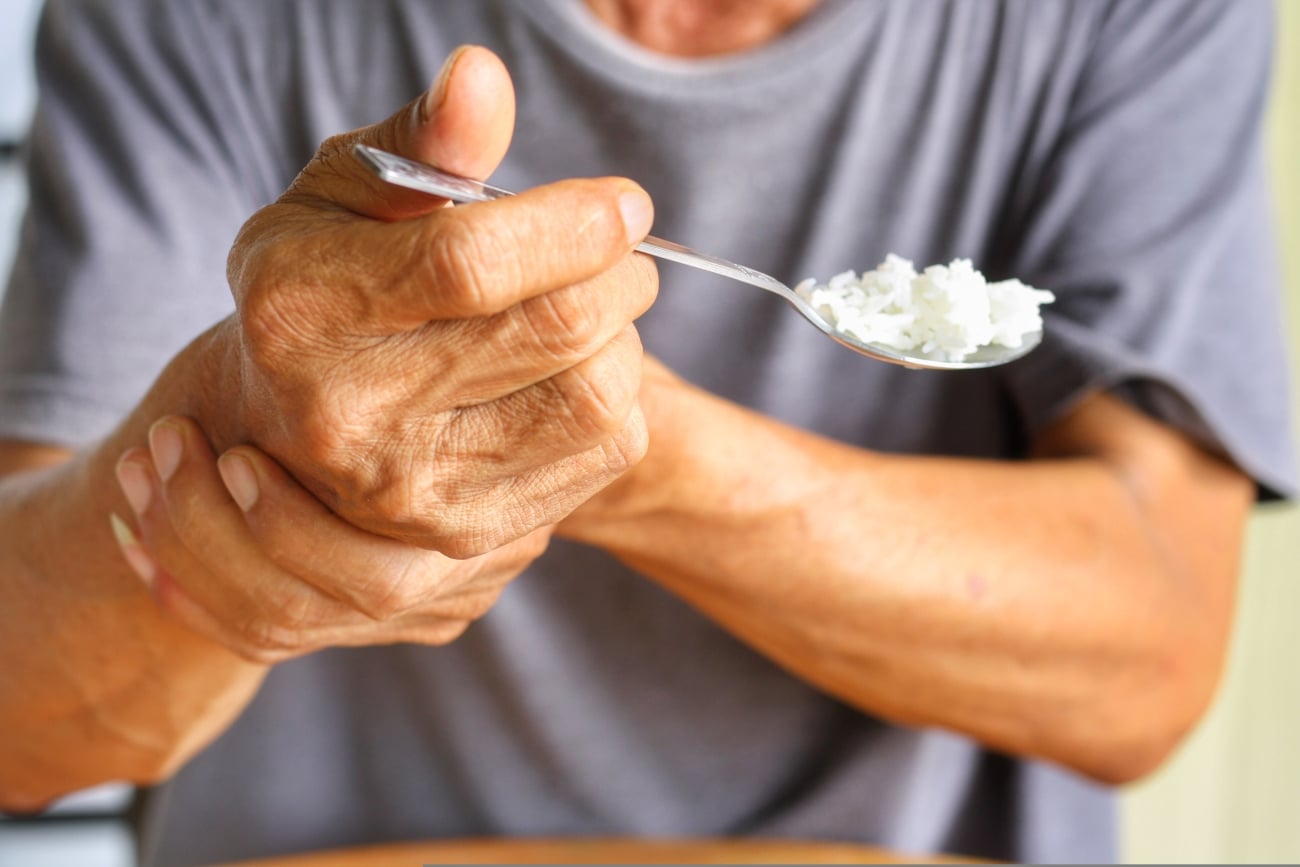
x=945 y=312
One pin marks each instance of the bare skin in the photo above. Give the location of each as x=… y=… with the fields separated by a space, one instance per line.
x=371 y=325
x=700 y=28
x=1074 y=607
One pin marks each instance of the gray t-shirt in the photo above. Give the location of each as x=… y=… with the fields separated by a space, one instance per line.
x=1108 y=151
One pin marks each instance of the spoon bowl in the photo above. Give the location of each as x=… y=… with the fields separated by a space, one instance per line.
x=403 y=172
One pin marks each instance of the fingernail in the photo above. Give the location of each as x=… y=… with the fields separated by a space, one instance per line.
x=433 y=99
x=140 y=562
x=240 y=479
x=135 y=485
x=638 y=213
x=165 y=444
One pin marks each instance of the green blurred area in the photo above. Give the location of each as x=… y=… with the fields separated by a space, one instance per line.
x=1233 y=792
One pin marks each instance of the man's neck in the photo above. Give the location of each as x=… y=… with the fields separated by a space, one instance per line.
x=700 y=28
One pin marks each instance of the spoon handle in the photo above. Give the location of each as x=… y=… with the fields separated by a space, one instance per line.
x=426 y=179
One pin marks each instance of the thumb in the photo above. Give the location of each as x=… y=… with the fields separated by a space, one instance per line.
x=462 y=124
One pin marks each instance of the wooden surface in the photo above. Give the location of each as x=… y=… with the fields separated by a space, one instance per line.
x=598 y=851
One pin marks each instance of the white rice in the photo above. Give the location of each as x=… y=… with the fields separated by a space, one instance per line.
x=945 y=312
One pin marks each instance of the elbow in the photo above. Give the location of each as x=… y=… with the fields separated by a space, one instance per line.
x=1141 y=750
x=1147 y=723
x=1129 y=763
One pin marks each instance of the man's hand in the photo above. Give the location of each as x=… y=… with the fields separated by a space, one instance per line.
x=458 y=378
x=450 y=377
x=239 y=552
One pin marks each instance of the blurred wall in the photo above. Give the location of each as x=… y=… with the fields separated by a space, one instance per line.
x=1233 y=792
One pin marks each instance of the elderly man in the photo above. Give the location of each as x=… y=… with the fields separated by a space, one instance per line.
x=764 y=586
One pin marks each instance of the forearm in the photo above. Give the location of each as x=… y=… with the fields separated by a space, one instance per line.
x=97 y=684
x=1029 y=605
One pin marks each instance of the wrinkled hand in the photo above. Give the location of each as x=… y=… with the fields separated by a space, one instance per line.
x=453 y=377
x=240 y=553
x=673 y=416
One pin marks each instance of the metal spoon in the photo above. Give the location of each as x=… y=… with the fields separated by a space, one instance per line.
x=426 y=179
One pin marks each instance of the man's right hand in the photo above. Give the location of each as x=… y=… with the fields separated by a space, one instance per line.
x=450 y=377
x=453 y=379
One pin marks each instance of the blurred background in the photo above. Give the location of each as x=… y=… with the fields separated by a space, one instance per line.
x=1232 y=794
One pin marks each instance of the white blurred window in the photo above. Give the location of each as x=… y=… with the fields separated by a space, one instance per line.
x=17 y=98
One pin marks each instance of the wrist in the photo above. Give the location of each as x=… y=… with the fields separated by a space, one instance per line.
x=712 y=467
x=207 y=380
x=202 y=382
x=647 y=489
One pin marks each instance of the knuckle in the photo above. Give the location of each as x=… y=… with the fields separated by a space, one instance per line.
x=392 y=507
x=599 y=396
x=517 y=511
x=260 y=319
x=629 y=447
x=292 y=612
x=598 y=222
x=268 y=642
x=565 y=324
x=444 y=508
x=333 y=440
x=485 y=523
x=393 y=598
x=641 y=283
x=436 y=517
x=270 y=325
x=247 y=253
x=468 y=544
x=465 y=268
x=318 y=438
x=258 y=655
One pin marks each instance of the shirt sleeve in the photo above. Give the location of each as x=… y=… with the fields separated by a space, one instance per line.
x=1151 y=220
x=135 y=195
